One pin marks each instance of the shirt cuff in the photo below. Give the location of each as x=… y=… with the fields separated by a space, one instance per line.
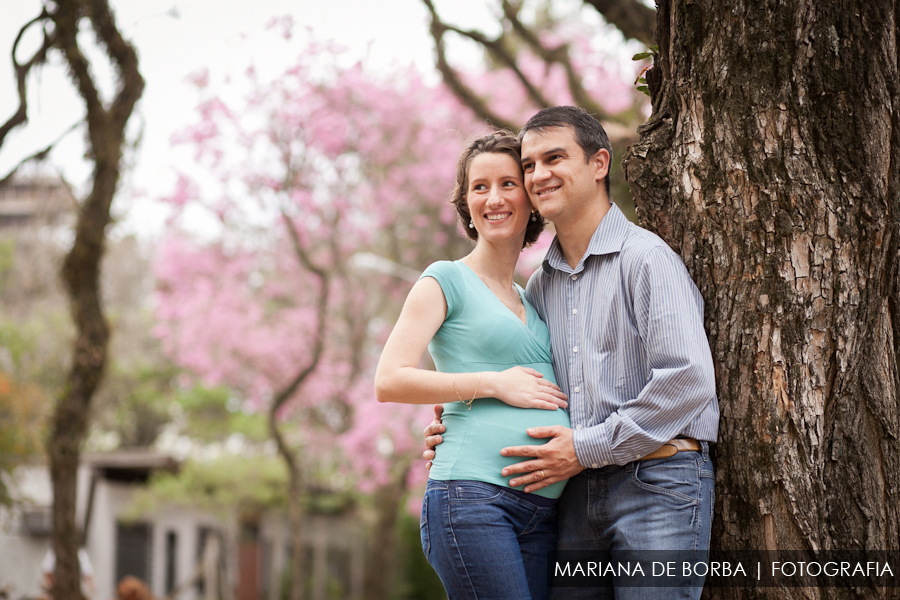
x=592 y=447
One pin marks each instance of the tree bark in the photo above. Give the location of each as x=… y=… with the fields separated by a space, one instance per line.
x=770 y=164
x=81 y=268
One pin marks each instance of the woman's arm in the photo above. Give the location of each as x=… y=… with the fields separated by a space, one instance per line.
x=398 y=378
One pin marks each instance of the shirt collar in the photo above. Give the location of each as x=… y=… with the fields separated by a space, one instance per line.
x=607 y=239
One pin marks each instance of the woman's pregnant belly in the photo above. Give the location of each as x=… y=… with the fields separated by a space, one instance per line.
x=473 y=440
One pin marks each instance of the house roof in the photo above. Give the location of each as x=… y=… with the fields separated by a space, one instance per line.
x=130 y=464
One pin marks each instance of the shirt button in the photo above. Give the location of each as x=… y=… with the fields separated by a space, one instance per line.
x=637 y=456
x=575 y=349
x=574 y=311
x=578 y=427
x=594 y=465
x=578 y=389
x=574 y=277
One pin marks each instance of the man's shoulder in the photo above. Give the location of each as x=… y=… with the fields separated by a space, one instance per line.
x=641 y=245
x=535 y=283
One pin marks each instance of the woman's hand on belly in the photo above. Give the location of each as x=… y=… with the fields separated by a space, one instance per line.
x=524 y=387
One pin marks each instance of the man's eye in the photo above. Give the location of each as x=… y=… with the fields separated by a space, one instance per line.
x=527 y=167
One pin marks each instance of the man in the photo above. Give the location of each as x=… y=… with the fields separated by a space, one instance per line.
x=630 y=351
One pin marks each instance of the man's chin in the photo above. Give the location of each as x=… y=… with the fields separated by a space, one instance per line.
x=549 y=211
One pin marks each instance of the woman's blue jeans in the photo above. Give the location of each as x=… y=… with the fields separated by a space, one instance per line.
x=485 y=542
x=645 y=507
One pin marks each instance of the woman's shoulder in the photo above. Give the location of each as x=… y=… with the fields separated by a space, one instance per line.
x=449 y=277
x=442 y=266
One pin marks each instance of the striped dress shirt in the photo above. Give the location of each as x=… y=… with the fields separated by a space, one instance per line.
x=628 y=343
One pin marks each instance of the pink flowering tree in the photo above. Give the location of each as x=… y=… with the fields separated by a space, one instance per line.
x=326 y=189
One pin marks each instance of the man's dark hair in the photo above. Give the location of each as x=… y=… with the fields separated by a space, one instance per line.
x=499 y=142
x=589 y=133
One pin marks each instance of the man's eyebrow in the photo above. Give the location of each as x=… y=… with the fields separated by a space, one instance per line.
x=557 y=150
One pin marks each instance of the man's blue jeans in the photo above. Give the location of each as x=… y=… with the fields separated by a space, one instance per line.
x=485 y=542
x=651 y=505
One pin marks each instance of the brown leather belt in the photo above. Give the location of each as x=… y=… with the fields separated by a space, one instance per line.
x=673 y=446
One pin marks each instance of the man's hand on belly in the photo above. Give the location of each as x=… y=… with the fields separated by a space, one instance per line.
x=552 y=462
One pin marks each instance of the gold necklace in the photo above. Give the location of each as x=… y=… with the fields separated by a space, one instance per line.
x=516 y=311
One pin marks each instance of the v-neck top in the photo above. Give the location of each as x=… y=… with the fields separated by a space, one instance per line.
x=480 y=333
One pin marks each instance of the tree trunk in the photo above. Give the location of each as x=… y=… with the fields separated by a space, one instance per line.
x=771 y=165
x=298 y=551
x=81 y=269
x=296 y=489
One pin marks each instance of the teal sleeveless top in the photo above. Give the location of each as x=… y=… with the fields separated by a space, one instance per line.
x=481 y=334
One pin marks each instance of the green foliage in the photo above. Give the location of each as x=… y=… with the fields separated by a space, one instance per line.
x=15 y=342
x=219 y=486
x=7 y=259
x=213 y=414
x=23 y=420
x=135 y=402
x=34 y=347
x=232 y=483
x=641 y=80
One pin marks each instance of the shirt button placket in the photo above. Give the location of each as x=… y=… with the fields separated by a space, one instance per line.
x=576 y=371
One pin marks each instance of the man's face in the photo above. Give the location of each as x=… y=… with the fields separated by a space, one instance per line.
x=559 y=182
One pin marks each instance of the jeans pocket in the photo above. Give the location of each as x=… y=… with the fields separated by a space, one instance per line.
x=676 y=477
x=474 y=492
x=423 y=527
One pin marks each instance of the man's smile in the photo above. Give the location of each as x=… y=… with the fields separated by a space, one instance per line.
x=545 y=191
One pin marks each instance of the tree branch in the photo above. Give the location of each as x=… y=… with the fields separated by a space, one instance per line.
x=22 y=70
x=499 y=50
x=619 y=9
x=66 y=18
x=632 y=18
x=465 y=94
x=558 y=55
x=321 y=312
x=125 y=58
x=40 y=155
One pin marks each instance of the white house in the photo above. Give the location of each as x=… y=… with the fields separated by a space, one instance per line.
x=181 y=553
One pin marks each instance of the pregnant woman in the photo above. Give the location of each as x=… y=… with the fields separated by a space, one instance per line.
x=492 y=353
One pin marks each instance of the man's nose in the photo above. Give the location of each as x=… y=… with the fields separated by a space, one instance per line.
x=539 y=173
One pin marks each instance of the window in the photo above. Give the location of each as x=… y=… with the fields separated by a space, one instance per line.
x=133 y=551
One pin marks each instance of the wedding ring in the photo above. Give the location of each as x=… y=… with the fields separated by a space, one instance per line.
x=542 y=474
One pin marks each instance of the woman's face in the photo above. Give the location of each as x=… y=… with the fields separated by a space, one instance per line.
x=496 y=196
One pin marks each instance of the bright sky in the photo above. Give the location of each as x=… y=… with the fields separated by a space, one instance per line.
x=175 y=38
